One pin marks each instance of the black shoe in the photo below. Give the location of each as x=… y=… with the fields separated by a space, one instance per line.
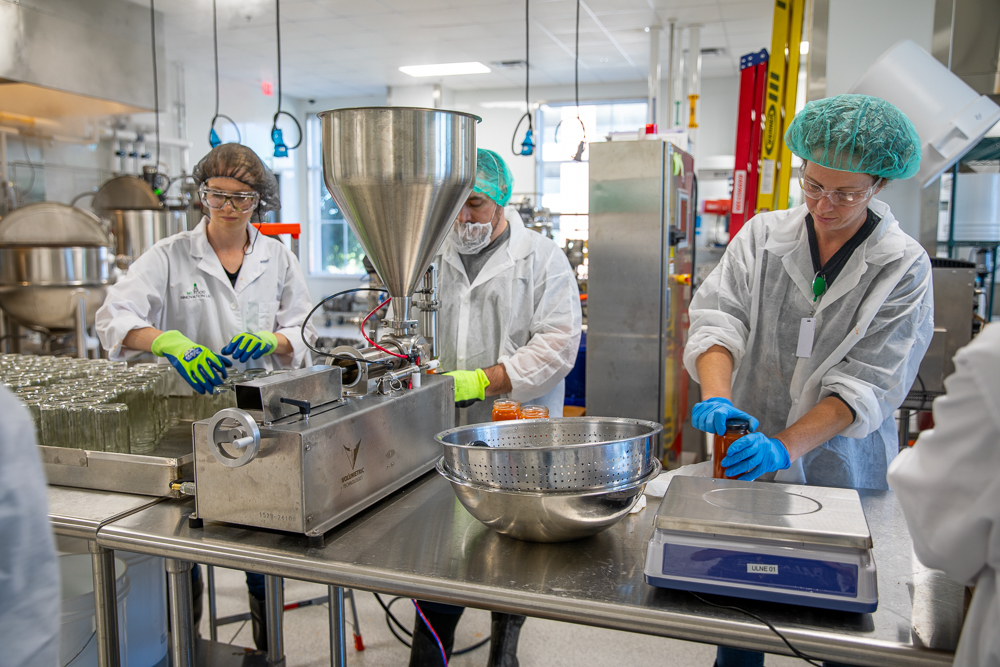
x=504 y=632
x=424 y=651
x=258 y=622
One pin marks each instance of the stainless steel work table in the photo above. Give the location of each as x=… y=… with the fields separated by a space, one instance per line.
x=422 y=543
x=81 y=513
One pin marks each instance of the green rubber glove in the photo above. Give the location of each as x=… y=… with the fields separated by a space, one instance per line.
x=470 y=385
x=246 y=346
x=198 y=365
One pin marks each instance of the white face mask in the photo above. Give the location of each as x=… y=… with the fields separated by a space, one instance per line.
x=471 y=237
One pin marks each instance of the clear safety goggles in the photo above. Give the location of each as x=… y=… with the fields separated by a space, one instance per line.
x=240 y=201
x=836 y=197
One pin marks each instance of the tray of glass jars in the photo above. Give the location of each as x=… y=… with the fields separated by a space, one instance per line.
x=112 y=426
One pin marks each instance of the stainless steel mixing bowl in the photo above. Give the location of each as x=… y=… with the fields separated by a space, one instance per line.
x=548 y=516
x=563 y=454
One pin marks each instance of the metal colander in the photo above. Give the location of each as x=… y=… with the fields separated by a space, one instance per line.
x=569 y=454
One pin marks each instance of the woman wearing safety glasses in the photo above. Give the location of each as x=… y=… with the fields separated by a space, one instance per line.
x=814 y=323
x=221 y=290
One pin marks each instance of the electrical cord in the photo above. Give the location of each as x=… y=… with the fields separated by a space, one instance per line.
x=391 y=619
x=320 y=305
x=274 y=124
x=527 y=76
x=370 y=341
x=576 y=92
x=798 y=654
x=156 y=86
x=215 y=43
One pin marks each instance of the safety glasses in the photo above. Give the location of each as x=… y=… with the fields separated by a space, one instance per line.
x=837 y=197
x=240 y=201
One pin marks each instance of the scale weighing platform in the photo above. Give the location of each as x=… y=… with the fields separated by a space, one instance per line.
x=804 y=545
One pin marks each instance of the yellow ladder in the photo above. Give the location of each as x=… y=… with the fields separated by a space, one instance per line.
x=779 y=105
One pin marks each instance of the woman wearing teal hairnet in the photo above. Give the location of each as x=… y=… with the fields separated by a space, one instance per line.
x=814 y=323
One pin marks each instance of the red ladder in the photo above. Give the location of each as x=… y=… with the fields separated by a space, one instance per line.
x=749 y=128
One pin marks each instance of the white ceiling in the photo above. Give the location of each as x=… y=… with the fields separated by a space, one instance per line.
x=335 y=48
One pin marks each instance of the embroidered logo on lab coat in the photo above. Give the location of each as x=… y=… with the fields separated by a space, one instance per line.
x=196 y=293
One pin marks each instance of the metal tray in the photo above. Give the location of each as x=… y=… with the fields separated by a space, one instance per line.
x=785 y=512
x=143 y=474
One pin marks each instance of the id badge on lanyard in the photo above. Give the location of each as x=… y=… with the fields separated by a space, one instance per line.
x=807 y=332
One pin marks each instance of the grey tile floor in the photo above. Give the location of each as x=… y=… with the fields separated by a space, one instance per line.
x=543 y=643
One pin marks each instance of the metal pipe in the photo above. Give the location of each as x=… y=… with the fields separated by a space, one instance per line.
x=274 y=603
x=181 y=613
x=653 y=78
x=428 y=305
x=213 y=619
x=338 y=641
x=670 y=80
x=694 y=81
x=105 y=604
x=81 y=322
x=357 y=625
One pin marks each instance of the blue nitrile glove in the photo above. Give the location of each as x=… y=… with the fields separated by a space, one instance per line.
x=711 y=415
x=753 y=455
x=198 y=365
x=470 y=385
x=246 y=346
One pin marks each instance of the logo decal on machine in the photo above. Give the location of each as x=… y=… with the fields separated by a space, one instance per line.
x=352 y=453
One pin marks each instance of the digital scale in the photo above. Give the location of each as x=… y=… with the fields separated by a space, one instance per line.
x=804 y=545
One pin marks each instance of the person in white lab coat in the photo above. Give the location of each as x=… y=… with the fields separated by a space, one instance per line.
x=949 y=489
x=813 y=325
x=29 y=571
x=221 y=290
x=510 y=318
x=509 y=326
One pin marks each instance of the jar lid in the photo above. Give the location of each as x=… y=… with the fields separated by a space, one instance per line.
x=738 y=423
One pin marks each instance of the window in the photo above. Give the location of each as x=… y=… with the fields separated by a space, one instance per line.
x=564 y=183
x=333 y=248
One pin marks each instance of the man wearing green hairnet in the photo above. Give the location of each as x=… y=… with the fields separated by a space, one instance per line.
x=814 y=324
x=509 y=327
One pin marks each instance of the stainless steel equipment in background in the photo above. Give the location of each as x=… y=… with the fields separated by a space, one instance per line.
x=136 y=217
x=640 y=255
x=307 y=449
x=954 y=312
x=55 y=265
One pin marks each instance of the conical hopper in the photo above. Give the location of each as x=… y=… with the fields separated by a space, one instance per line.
x=400 y=175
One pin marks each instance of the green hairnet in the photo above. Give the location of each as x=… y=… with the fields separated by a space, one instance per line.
x=493 y=178
x=241 y=163
x=856 y=133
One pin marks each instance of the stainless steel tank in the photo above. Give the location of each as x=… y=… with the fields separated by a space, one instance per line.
x=135 y=216
x=51 y=255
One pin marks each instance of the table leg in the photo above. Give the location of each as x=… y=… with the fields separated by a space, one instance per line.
x=338 y=643
x=274 y=602
x=105 y=604
x=181 y=613
x=213 y=624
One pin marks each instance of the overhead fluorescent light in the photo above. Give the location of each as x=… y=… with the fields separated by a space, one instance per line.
x=804 y=47
x=445 y=69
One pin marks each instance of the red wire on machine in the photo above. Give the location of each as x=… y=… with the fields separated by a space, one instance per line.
x=373 y=343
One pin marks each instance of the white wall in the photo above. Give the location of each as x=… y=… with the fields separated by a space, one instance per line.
x=859 y=32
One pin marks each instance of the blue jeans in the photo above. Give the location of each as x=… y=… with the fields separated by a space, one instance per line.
x=255 y=585
x=726 y=656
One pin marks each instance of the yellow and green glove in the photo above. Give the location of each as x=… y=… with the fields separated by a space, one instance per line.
x=199 y=366
x=246 y=346
x=469 y=385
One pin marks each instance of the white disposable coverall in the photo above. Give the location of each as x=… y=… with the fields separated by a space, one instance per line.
x=949 y=489
x=29 y=572
x=522 y=311
x=180 y=284
x=873 y=327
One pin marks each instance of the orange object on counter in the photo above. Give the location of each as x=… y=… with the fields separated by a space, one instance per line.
x=505 y=409
x=534 y=412
x=735 y=429
x=277 y=228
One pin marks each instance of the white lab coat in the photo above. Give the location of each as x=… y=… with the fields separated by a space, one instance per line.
x=29 y=572
x=949 y=488
x=522 y=311
x=873 y=327
x=180 y=284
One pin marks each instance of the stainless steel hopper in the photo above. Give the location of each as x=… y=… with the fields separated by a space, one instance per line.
x=400 y=175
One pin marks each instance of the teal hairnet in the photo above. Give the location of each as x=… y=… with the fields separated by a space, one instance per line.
x=856 y=133
x=493 y=178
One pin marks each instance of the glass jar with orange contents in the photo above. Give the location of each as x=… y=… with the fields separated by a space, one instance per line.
x=505 y=409
x=736 y=428
x=534 y=412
